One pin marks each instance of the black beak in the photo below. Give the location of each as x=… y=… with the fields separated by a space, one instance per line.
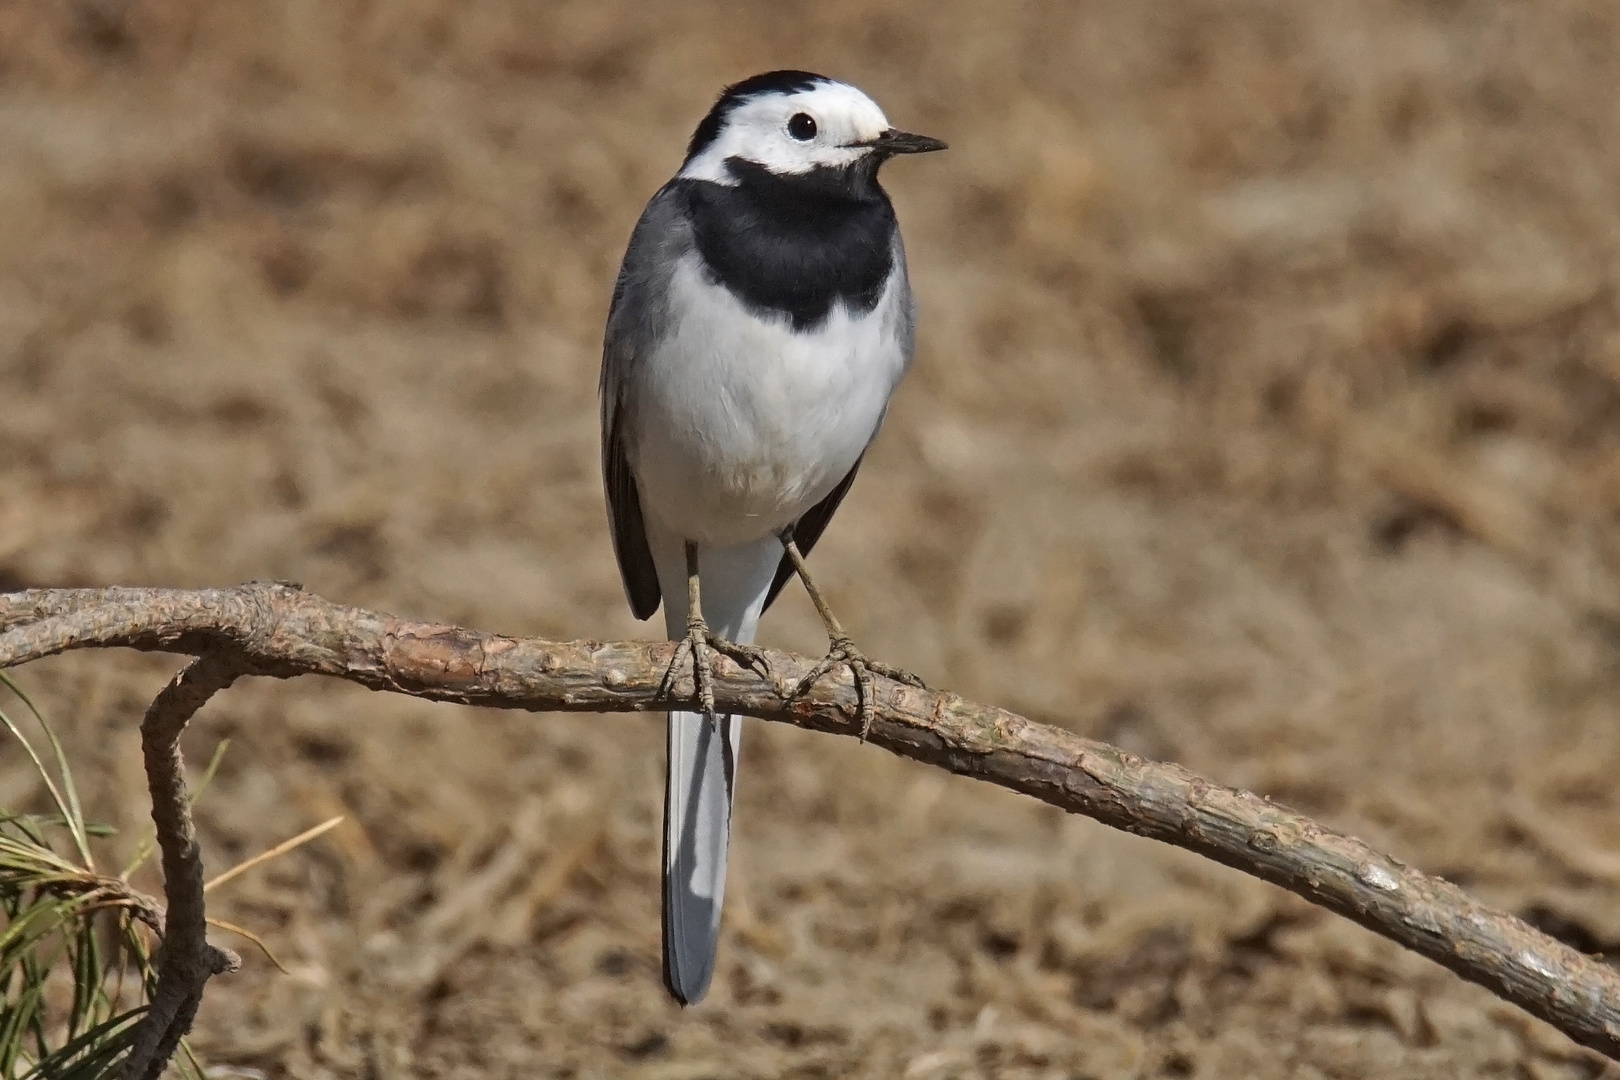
x=903 y=142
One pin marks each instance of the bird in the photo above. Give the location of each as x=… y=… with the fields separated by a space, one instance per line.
x=761 y=320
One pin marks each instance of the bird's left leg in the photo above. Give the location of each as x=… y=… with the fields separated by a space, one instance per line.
x=841 y=649
x=700 y=639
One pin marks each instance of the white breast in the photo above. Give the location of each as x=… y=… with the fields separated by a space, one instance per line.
x=739 y=424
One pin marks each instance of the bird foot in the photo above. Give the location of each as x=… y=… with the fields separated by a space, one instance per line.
x=843 y=651
x=698 y=641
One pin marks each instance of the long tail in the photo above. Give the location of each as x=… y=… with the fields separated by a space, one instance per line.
x=701 y=779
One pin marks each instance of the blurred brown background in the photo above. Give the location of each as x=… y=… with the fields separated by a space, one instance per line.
x=1266 y=417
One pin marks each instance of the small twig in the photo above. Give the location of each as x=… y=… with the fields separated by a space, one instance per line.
x=187 y=961
x=278 y=630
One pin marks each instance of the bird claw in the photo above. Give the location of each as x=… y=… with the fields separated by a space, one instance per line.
x=843 y=652
x=699 y=640
x=750 y=656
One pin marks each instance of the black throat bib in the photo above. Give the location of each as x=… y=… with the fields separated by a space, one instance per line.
x=794 y=245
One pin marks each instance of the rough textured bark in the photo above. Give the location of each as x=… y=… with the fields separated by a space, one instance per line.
x=275 y=629
x=187 y=961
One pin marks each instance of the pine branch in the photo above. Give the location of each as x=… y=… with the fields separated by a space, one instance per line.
x=280 y=631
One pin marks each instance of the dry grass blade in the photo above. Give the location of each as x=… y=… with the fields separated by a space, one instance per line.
x=280 y=849
x=244 y=932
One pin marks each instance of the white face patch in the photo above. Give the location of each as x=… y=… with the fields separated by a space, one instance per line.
x=758 y=130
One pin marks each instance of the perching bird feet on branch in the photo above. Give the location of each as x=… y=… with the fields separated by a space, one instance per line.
x=841 y=650
x=699 y=640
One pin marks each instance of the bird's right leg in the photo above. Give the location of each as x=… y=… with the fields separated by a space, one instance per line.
x=841 y=649
x=700 y=639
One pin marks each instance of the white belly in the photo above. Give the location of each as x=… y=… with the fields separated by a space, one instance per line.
x=739 y=425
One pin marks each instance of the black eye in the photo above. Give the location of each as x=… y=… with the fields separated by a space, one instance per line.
x=802 y=126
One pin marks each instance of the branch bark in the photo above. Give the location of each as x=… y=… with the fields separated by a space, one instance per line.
x=188 y=961
x=277 y=630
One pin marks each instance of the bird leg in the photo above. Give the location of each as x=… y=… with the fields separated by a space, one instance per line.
x=700 y=639
x=841 y=649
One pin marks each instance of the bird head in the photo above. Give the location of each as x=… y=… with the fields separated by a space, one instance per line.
x=795 y=123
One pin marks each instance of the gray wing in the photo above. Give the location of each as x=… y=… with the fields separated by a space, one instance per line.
x=637 y=316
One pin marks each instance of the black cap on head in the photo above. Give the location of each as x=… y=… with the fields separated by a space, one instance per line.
x=771 y=82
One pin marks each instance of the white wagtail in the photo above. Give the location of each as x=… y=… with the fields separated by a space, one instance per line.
x=760 y=322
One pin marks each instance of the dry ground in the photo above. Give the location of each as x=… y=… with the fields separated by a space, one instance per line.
x=1267 y=418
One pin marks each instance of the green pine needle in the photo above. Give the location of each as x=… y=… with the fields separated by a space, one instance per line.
x=75 y=962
